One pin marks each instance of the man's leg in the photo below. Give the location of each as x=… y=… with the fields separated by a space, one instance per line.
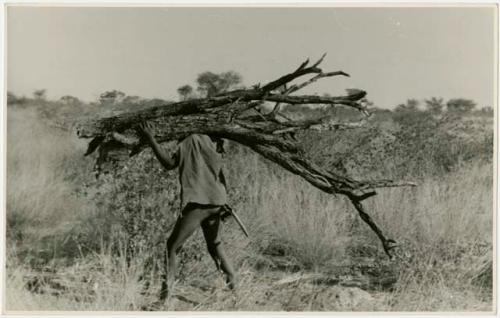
x=186 y=224
x=210 y=228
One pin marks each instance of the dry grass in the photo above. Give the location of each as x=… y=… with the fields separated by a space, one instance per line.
x=42 y=168
x=445 y=226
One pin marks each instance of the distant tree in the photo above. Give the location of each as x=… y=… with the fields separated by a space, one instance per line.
x=131 y=100
x=40 y=94
x=415 y=121
x=11 y=98
x=434 y=105
x=111 y=97
x=185 y=92
x=70 y=100
x=486 y=111
x=210 y=84
x=411 y=105
x=460 y=105
x=400 y=107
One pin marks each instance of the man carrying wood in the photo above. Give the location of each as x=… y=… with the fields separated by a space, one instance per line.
x=203 y=198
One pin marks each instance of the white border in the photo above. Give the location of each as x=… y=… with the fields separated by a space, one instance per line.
x=222 y=3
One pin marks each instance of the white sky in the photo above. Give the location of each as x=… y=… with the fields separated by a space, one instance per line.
x=392 y=53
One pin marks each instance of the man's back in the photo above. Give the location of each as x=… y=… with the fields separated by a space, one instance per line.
x=199 y=171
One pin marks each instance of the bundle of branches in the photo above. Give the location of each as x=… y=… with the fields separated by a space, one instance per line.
x=237 y=115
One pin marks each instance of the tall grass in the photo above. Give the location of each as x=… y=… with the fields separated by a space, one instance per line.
x=444 y=225
x=43 y=171
x=289 y=216
x=447 y=227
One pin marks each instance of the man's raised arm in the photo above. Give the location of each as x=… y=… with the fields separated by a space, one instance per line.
x=169 y=162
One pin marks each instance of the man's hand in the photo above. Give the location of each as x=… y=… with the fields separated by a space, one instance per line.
x=145 y=129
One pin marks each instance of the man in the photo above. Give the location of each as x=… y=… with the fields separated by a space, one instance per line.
x=203 y=196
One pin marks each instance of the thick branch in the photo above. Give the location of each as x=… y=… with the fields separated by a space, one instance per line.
x=225 y=116
x=228 y=105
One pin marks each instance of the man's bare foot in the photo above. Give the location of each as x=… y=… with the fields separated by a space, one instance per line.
x=165 y=291
x=231 y=282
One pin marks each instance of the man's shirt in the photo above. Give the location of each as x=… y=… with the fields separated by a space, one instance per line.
x=200 y=171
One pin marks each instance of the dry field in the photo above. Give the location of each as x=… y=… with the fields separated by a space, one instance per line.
x=70 y=237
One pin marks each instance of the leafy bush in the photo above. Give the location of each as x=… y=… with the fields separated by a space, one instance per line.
x=409 y=144
x=139 y=200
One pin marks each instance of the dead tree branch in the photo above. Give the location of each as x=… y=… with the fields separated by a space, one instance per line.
x=227 y=116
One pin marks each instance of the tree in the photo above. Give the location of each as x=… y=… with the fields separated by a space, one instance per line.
x=434 y=105
x=70 y=100
x=11 y=98
x=111 y=97
x=131 y=100
x=460 y=105
x=235 y=115
x=211 y=84
x=411 y=106
x=185 y=92
x=40 y=94
x=487 y=111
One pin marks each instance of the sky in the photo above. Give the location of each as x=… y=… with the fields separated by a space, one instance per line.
x=392 y=53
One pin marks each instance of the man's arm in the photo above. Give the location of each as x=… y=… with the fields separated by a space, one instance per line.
x=167 y=161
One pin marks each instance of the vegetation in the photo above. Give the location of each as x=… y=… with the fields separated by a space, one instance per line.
x=80 y=243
